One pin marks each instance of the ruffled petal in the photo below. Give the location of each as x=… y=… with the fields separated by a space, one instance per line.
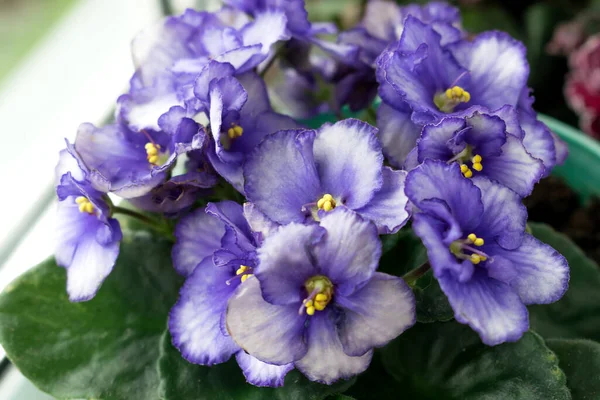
x=389 y=208
x=281 y=177
x=349 y=253
x=514 y=168
x=375 y=314
x=286 y=262
x=349 y=160
x=194 y=321
x=273 y=334
x=226 y=94
x=262 y=374
x=198 y=235
x=504 y=216
x=538 y=141
x=542 y=273
x=434 y=141
x=438 y=180
x=267 y=28
x=213 y=70
x=397 y=132
x=258 y=221
x=498 y=68
x=490 y=307
x=325 y=360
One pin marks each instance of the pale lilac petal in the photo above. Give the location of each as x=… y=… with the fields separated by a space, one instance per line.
x=397 y=132
x=267 y=28
x=286 y=262
x=490 y=307
x=194 y=321
x=349 y=252
x=262 y=374
x=325 y=360
x=258 y=221
x=273 y=334
x=375 y=314
x=198 y=235
x=349 y=160
x=504 y=215
x=542 y=273
x=281 y=177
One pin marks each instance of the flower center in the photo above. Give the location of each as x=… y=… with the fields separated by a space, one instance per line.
x=235 y=131
x=243 y=272
x=85 y=206
x=446 y=101
x=327 y=202
x=154 y=155
x=463 y=250
x=320 y=293
x=464 y=157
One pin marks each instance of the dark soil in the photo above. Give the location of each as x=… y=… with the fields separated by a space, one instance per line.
x=554 y=203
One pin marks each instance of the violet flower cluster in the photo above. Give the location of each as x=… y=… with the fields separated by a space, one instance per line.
x=290 y=280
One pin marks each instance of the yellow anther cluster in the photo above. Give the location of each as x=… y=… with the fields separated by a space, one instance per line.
x=466 y=171
x=318 y=304
x=235 y=131
x=152 y=153
x=476 y=160
x=476 y=258
x=458 y=94
x=326 y=203
x=475 y=240
x=84 y=205
x=241 y=271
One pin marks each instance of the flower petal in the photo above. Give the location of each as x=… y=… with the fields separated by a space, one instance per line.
x=258 y=221
x=267 y=28
x=434 y=141
x=349 y=161
x=273 y=334
x=397 y=132
x=389 y=208
x=542 y=273
x=349 y=252
x=375 y=314
x=286 y=262
x=514 y=168
x=325 y=360
x=539 y=141
x=504 y=216
x=281 y=177
x=198 y=235
x=194 y=321
x=490 y=307
x=262 y=374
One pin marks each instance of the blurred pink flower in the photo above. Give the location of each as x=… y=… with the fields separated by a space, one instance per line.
x=567 y=37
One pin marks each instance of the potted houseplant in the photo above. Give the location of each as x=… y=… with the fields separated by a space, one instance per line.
x=299 y=253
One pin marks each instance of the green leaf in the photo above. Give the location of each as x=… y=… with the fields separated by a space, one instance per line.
x=401 y=252
x=577 y=314
x=580 y=360
x=448 y=360
x=432 y=303
x=376 y=383
x=183 y=380
x=105 y=348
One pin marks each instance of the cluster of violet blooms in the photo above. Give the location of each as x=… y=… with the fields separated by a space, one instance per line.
x=289 y=279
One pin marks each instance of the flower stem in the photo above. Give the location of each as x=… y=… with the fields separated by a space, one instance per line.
x=412 y=276
x=150 y=222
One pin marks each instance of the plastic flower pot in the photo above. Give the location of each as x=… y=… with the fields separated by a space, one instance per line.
x=581 y=170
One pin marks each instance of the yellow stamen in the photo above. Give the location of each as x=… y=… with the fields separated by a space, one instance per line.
x=478 y=242
x=322 y=289
x=152 y=153
x=458 y=95
x=327 y=202
x=475 y=258
x=246 y=276
x=241 y=270
x=472 y=237
x=468 y=174
x=477 y=158
x=235 y=131
x=321 y=297
x=310 y=310
x=85 y=206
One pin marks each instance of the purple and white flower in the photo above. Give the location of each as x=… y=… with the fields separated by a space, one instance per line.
x=300 y=175
x=316 y=300
x=485 y=262
x=87 y=238
x=216 y=252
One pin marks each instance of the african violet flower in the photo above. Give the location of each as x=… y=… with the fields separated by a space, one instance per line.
x=488 y=267
x=130 y=163
x=423 y=81
x=317 y=301
x=300 y=175
x=169 y=56
x=216 y=252
x=483 y=147
x=240 y=116
x=87 y=238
